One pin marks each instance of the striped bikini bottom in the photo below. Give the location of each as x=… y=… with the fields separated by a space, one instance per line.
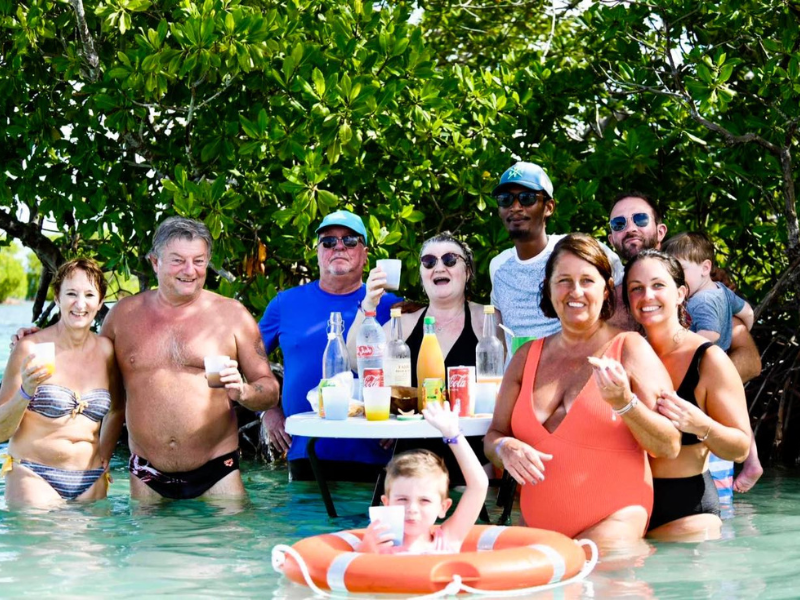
x=68 y=484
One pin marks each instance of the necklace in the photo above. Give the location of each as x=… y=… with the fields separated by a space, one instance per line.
x=440 y=324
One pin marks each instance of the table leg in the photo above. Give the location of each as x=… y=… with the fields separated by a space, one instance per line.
x=320 y=477
x=505 y=497
x=378 y=492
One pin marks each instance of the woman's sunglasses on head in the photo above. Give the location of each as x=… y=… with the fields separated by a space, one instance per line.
x=349 y=241
x=448 y=260
x=506 y=199
x=639 y=219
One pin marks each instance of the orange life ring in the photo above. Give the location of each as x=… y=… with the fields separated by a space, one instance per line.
x=520 y=557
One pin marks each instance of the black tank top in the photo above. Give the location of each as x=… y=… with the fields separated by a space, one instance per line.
x=461 y=354
x=686 y=388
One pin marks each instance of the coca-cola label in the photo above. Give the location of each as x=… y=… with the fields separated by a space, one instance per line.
x=373 y=377
x=369 y=351
x=460 y=384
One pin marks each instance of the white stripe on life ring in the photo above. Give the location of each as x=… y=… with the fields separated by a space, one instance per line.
x=556 y=560
x=489 y=537
x=348 y=537
x=337 y=570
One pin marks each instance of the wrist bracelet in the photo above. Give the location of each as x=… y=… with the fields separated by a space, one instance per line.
x=500 y=445
x=629 y=406
x=705 y=437
x=25 y=394
x=452 y=440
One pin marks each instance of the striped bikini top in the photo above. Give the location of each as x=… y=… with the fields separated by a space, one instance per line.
x=56 y=401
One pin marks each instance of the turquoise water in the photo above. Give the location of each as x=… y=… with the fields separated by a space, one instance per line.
x=194 y=549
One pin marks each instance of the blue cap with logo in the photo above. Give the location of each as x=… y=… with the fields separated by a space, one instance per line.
x=525 y=174
x=344 y=218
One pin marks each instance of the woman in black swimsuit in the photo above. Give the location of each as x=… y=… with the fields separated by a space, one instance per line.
x=446 y=270
x=708 y=407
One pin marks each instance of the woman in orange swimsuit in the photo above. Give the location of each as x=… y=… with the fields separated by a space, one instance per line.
x=575 y=414
x=63 y=422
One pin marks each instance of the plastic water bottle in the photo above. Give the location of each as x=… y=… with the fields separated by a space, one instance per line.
x=489 y=361
x=397 y=362
x=370 y=349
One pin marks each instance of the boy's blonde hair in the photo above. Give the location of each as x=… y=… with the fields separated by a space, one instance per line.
x=693 y=246
x=417 y=463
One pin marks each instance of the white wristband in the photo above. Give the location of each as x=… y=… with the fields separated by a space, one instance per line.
x=629 y=406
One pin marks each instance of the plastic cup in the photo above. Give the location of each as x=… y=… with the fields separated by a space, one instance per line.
x=485 y=397
x=392 y=268
x=518 y=341
x=45 y=354
x=377 y=402
x=215 y=364
x=337 y=403
x=394 y=517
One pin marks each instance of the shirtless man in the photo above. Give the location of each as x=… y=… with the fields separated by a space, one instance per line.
x=183 y=435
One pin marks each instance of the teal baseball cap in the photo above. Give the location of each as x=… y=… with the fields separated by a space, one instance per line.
x=347 y=219
x=525 y=174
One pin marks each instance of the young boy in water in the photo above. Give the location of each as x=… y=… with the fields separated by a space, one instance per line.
x=711 y=305
x=418 y=480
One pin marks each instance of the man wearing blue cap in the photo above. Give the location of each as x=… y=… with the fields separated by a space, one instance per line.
x=525 y=200
x=296 y=320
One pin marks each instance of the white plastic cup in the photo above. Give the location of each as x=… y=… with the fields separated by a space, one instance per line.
x=336 y=401
x=45 y=354
x=485 y=397
x=394 y=517
x=377 y=403
x=392 y=267
x=215 y=364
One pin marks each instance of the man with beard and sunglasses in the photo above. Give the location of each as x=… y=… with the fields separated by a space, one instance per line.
x=636 y=224
x=524 y=202
x=296 y=320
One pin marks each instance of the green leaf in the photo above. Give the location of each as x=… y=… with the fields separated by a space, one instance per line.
x=218 y=188
x=319 y=81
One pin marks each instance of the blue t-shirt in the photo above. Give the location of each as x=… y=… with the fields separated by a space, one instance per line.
x=713 y=310
x=296 y=320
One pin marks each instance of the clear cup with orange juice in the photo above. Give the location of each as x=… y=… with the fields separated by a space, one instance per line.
x=377 y=403
x=45 y=354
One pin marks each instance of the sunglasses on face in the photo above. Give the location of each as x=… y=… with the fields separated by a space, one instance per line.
x=349 y=241
x=506 y=199
x=639 y=219
x=448 y=260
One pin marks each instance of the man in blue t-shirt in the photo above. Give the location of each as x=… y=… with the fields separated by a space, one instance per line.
x=296 y=320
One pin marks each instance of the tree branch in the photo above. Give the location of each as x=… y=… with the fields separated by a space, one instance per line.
x=89 y=51
x=788 y=275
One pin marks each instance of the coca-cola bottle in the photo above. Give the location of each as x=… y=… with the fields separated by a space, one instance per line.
x=370 y=347
x=397 y=362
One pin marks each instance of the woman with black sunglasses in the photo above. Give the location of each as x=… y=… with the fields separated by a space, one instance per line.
x=446 y=269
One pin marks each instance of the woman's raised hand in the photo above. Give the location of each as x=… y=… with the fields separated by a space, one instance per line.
x=34 y=374
x=523 y=462
x=612 y=380
x=376 y=284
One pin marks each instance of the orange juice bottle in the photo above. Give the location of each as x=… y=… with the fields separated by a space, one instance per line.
x=431 y=374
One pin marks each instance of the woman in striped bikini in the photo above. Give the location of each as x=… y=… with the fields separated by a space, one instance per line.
x=63 y=423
